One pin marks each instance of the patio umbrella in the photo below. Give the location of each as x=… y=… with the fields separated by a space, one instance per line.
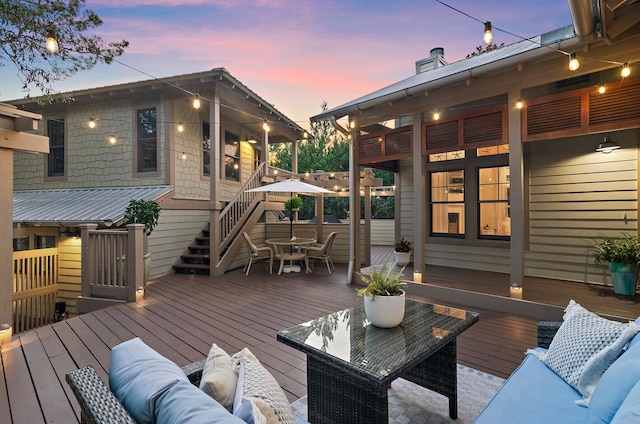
x=292 y=185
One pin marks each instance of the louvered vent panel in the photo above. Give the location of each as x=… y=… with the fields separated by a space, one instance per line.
x=558 y=115
x=620 y=104
x=369 y=148
x=483 y=130
x=442 y=137
x=398 y=143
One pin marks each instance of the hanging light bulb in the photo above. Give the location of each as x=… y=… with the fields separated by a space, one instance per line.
x=52 y=45
x=602 y=89
x=305 y=135
x=184 y=156
x=573 y=62
x=488 y=35
x=180 y=127
x=626 y=70
x=196 y=101
x=113 y=139
x=519 y=104
x=92 y=123
x=265 y=127
x=352 y=124
x=436 y=116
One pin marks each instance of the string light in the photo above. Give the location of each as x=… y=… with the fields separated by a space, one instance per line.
x=488 y=36
x=180 y=127
x=184 y=156
x=602 y=89
x=436 y=116
x=573 y=62
x=626 y=70
x=52 y=45
x=265 y=127
x=113 y=139
x=196 y=101
x=519 y=104
x=92 y=123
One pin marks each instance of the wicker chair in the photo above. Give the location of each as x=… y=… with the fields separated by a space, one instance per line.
x=257 y=253
x=304 y=233
x=322 y=252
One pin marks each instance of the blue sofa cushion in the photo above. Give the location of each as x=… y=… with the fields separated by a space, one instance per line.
x=534 y=394
x=138 y=375
x=584 y=347
x=614 y=385
x=629 y=412
x=184 y=403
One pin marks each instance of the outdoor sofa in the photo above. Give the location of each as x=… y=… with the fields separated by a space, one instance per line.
x=148 y=388
x=535 y=393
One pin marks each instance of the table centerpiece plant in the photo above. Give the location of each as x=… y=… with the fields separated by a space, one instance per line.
x=384 y=297
x=402 y=251
x=623 y=257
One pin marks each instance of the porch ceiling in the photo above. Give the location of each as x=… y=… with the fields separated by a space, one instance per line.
x=66 y=207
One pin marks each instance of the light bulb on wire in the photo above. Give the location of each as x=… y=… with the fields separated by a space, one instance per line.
x=573 y=62
x=180 y=127
x=626 y=70
x=92 y=123
x=488 y=35
x=196 y=101
x=52 y=45
x=113 y=139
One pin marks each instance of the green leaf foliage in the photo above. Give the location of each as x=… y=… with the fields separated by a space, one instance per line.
x=383 y=282
x=624 y=250
x=144 y=212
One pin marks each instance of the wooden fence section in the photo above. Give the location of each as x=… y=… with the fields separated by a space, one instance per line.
x=35 y=278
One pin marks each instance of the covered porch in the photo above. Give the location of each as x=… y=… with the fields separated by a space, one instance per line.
x=182 y=315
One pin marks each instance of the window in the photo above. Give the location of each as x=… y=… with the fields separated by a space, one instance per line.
x=493 y=150
x=231 y=156
x=20 y=243
x=493 y=202
x=55 y=161
x=147 y=154
x=444 y=156
x=45 y=242
x=206 y=149
x=447 y=203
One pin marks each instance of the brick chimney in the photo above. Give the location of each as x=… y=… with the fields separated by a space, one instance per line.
x=435 y=60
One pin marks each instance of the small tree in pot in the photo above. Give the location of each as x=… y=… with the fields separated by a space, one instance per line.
x=623 y=257
x=384 y=297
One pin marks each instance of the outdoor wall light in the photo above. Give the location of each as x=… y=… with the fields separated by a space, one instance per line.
x=573 y=62
x=626 y=70
x=488 y=35
x=70 y=233
x=607 y=145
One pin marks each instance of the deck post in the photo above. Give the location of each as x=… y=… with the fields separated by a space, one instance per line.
x=135 y=267
x=516 y=196
x=87 y=271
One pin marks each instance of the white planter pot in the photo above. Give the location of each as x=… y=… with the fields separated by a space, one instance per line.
x=402 y=258
x=385 y=311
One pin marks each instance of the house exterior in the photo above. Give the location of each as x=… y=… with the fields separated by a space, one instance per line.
x=142 y=140
x=495 y=155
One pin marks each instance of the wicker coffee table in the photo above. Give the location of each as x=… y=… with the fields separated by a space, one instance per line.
x=351 y=363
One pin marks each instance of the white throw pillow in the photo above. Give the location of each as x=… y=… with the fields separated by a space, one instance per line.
x=257 y=385
x=219 y=379
x=584 y=347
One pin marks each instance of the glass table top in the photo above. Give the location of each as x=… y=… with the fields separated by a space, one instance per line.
x=347 y=338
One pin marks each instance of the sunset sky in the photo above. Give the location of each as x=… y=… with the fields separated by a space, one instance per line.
x=298 y=53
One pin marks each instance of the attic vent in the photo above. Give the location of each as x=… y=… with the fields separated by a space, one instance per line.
x=442 y=137
x=569 y=82
x=554 y=115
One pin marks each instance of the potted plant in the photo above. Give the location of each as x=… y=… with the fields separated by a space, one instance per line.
x=623 y=256
x=384 y=297
x=402 y=251
x=144 y=212
x=293 y=204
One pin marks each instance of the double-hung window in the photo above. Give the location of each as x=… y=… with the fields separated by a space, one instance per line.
x=147 y=140
x=206 y=149
x=447 y=203
x=231 y=156
x=55 y=159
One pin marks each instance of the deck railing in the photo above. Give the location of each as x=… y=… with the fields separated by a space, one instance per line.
x=112 y=264
x=35 y=284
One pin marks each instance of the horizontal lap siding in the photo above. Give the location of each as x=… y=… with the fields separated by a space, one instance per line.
x=469 y=257
x=575 y=194
x=382 y=232
x=69 y=272
x=175 y=231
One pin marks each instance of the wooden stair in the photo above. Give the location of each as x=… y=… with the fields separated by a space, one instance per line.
x=196 y=259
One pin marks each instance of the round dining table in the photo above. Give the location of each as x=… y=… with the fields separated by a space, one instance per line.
x=291 y=250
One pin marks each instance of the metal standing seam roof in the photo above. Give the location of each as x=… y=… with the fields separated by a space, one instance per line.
x=443 y=73
x=80 y=205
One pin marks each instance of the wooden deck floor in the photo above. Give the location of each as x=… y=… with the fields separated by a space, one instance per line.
x=182 y=315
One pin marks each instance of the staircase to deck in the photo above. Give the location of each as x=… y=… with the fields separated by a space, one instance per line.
x=196 y=259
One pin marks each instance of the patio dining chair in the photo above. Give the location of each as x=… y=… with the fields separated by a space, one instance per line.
x=257 y=253
x=322 y=252
x=305 y=234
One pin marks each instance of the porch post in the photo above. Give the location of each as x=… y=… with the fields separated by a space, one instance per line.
x=516 y=195
x=87 y=258
x=6 y=250
x=135 y=263
x=214 y=184
x=419 y=197
x=354 y=206
x=294 y=156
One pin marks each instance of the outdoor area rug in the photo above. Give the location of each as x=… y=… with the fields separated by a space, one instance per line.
x=412 y=404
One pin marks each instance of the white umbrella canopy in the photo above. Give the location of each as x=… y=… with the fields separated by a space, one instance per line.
x=292 y=185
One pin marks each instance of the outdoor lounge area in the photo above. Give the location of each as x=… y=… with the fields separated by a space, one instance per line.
x=181 y=316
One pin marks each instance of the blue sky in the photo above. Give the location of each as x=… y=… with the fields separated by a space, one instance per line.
x=298 y=53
